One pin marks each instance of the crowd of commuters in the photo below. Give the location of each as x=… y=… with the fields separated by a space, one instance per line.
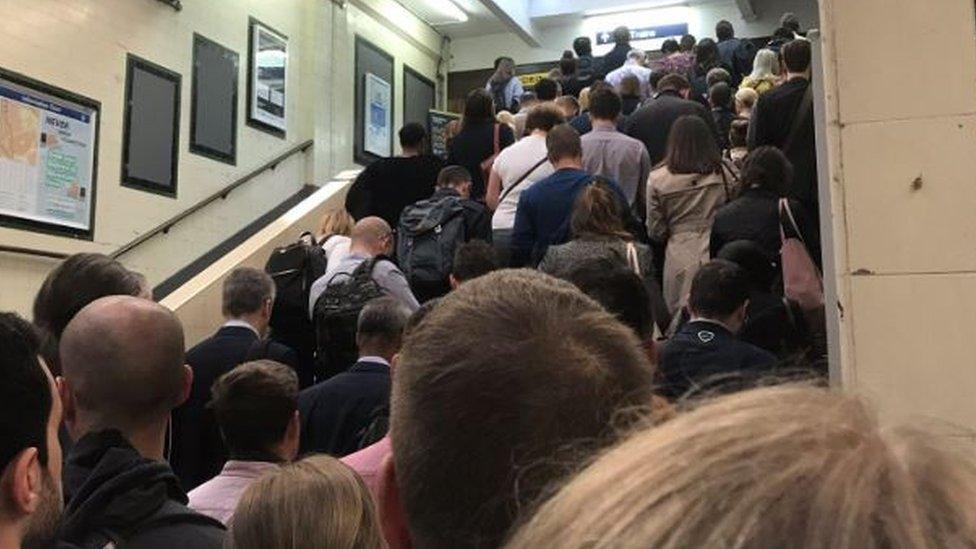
x=550 y=341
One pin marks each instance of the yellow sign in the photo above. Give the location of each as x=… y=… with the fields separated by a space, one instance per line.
x=530 y=80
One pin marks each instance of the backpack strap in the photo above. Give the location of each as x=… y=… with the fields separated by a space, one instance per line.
x=806 y=105
x=523 y=178
x=497 y=143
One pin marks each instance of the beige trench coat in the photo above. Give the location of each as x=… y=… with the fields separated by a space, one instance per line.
x=680 y=211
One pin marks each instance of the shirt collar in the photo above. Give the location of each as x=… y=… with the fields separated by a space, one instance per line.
x=240 y=468
x=237 y=323
x=601 y=126
x=374 y=360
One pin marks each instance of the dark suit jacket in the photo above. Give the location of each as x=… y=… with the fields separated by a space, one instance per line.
x=772 y=120
x=754 y=216
x=336 y=411
x=198 y=451
x=706 y=356
x=652 y=123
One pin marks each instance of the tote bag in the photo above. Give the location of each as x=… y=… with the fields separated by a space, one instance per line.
x=802 y=281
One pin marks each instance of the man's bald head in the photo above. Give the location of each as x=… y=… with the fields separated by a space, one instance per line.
x=372 y=235
x=122 y=358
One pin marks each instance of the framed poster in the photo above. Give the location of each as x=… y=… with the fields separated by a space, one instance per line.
x=378 y=137
x=438 y=126
x=213 y=109
x=267 y=78
x=370 y=59
x=419 y=96
x=151 y=129
x=48 y=157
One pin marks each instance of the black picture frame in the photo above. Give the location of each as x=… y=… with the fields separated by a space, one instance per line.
x=408 y=73
x=226 y=156
x=360 y=154
x=134 y=63
x=252 y=23
x=20 y=223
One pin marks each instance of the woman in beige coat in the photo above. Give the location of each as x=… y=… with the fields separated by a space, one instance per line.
x=683 y=194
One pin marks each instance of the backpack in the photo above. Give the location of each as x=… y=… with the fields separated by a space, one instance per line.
x=429 y=232
x=294 y=268
x=336 y=313
x=743 y=57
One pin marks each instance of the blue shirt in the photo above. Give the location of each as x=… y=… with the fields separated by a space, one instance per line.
x=543 y=214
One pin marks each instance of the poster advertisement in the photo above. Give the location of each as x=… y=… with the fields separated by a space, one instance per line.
x=378 y=116
x=438 y=128
x=268 y=78
x=47 y=157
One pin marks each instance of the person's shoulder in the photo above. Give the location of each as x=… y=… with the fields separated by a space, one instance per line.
x=473 y=206
x=755 y=356
x=175 y=525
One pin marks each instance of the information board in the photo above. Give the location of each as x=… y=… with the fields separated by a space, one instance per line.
x=48 y=143
x=437 y=128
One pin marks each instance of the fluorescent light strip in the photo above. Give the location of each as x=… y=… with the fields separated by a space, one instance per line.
x=642 y=6
x=449 y=9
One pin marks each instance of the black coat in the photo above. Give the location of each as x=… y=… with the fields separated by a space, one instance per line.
x=115 y=494
x=198 y=452
x=754 y=216
x=472 y=146
x=651 y=124
x=388 y=185
x=772 y=120
x=705 y=356
x=615 y=58
x=337 y=411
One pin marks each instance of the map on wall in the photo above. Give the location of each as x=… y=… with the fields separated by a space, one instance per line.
x=47 y=157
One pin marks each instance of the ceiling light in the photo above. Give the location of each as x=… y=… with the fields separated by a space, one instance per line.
x=446 y=8
x=634 y=7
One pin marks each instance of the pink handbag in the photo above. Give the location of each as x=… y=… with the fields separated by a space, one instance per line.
x=802 y=281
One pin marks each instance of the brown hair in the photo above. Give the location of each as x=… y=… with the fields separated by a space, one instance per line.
x=254 y=404
x=674 y=82
x=333 y=222
x=596 y=212
x=544 y=117
x=76 y=282
x=692 y=147
x=480 y=430
x=312 y=503
x=787 y=466
x=630 y=86
x=563 y=142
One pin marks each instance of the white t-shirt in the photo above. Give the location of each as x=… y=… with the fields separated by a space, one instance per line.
x=512 y=164
x=336 y=249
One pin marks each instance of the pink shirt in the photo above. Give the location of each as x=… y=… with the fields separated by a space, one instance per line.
x=218 y=497
x=374 y=464
x=368 y=461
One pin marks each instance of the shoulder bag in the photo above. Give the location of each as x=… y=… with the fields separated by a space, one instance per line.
x=802 y=281
x=487 y=163
x=521 y=179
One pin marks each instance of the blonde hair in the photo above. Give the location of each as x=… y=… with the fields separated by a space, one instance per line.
x=316 y=502
x=584 y=99
x=746 y=98
x=505 y=117
x=765 y=66
x=787 y=466
x=337 y=221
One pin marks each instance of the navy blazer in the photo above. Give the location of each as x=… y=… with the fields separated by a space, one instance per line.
x=705 y=356
x=337 y=411
x=198 y=451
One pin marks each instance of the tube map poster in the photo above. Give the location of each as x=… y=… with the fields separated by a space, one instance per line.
x=47 y=158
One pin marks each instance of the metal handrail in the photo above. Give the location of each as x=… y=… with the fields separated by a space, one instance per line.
x=32 y=251
x=165 y=226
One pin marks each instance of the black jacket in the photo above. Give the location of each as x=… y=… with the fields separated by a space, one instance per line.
x=198 y=451
x=723 y=118
x=777 y=325
x=388 y=185
x=772 y=120
x=615 y=58
x=652 y=123
x=115 y=494
x=705 y=356
x=473 y=145
x=337 y=411
x=754 y=216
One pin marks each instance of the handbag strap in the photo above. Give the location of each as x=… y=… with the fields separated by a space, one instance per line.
x=806 y=105
x=497 y=146
x=784 y=207
x=521 y=179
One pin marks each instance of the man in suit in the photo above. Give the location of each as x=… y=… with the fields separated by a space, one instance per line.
x=337 y=412
x=775 y=122
x=651 y=124
x=198 y=452
x=705 y=354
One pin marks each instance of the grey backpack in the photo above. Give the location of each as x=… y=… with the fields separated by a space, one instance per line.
x=429 y=233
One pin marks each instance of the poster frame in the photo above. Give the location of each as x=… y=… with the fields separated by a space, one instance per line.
x=370 y=80
x=360 y=156
x=198 y=148
x=252 y=24
x=32 y=225
x=133 y=62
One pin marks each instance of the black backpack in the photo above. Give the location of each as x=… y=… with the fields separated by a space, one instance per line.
x=294 y=269
x=743 y=57
x=336 y=314
x=429 y=233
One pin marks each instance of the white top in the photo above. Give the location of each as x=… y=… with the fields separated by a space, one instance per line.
x=630 y=67
x=336 y=249
x=512 y=164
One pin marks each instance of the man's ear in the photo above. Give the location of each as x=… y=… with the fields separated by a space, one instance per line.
x=454 y=281
x=268 y=307
x=22 y=482
x=69 y=411
x=187 y=384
